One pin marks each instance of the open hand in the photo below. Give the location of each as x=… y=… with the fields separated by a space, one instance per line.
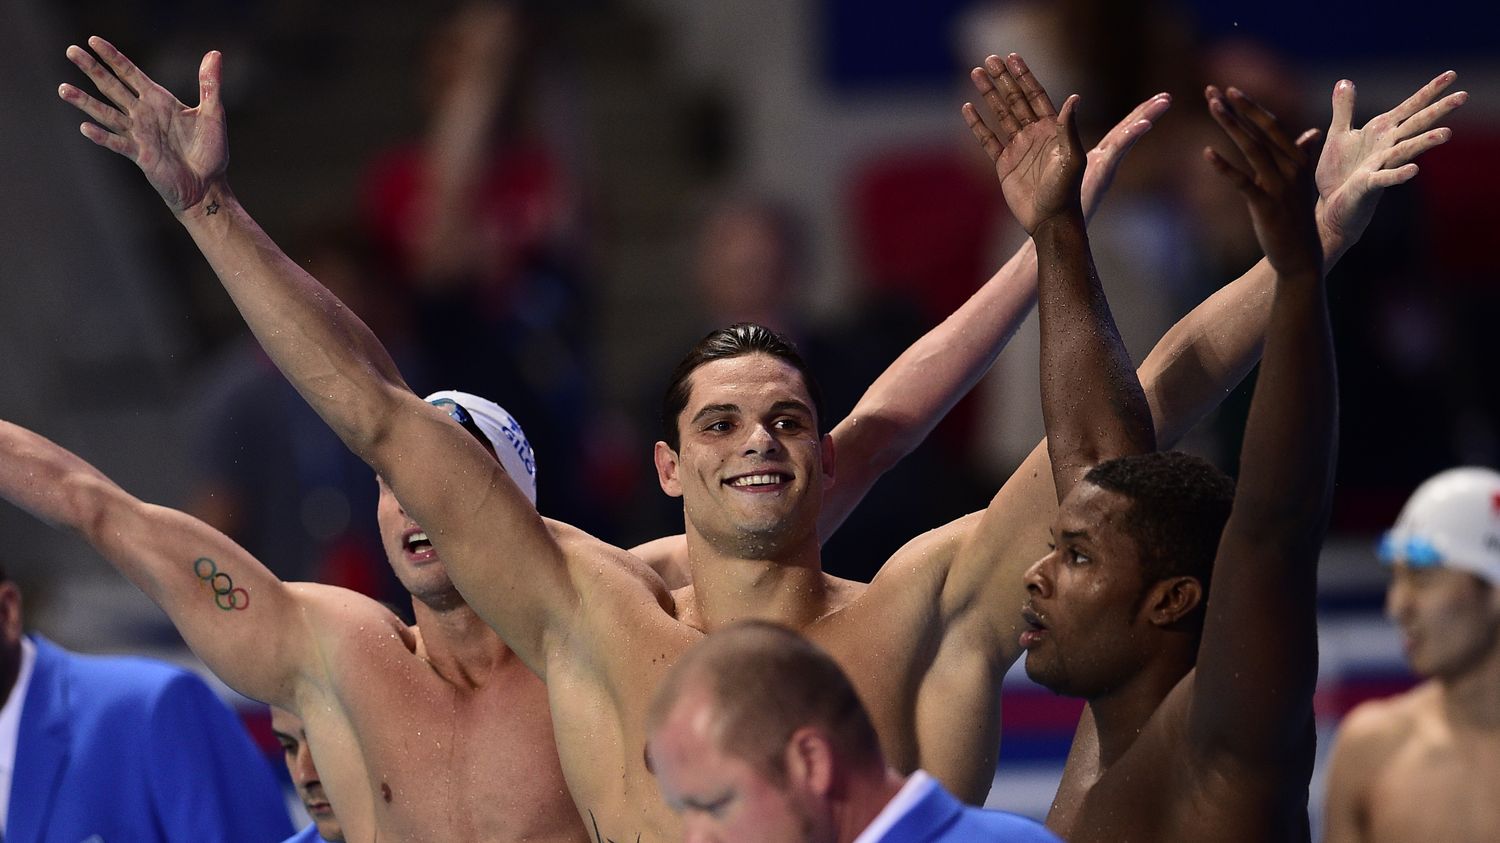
x=181 y=150
x=1358 y=164
x=1279 y=185
x=1037 y=154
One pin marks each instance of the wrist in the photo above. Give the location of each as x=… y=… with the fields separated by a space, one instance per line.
x=1069 y=218
x=217 y=199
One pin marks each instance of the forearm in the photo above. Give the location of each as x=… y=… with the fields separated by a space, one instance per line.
x=1092 y=403
x=1286 y=468
x=916 y=391
x=322 y=347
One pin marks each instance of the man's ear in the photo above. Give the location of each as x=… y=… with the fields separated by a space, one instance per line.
x=1172 y=599
x=828 y=460
x=666 y=469
x=809 y=761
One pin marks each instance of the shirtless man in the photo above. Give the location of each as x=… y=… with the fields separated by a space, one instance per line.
x=369 y=688
x=402 y=717
x=1199 y=720
x=289 y=732
x=927 y=642
x=1423 y=765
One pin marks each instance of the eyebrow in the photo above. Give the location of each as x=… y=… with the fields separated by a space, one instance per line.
x=715 y=408
x=1073 y=534
x=787 y=404
x=283 y=736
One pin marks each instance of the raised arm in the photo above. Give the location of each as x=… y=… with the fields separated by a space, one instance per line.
x=1257 y=662
x=1206 y=354
x=1092 y=404
x=470 y=508
x=906 y=402
x=245 y=624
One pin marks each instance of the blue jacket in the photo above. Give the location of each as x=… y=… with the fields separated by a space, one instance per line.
x=939 y=818
x=128 y=750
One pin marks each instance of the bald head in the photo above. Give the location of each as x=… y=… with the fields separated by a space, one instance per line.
x=760 y=683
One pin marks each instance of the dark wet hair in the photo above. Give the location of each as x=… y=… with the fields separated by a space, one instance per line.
x=737 y=340
x=1179 y=504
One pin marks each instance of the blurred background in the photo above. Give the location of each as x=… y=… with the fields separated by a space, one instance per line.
x=547 y=203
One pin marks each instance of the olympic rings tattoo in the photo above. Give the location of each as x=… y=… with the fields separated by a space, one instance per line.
x=226 y=595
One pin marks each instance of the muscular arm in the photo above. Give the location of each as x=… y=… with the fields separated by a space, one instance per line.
x=443 y=477
x=245 y=624
x=1257 y=662
x=906 y=402
x=1206 y=354
x=1092 y=404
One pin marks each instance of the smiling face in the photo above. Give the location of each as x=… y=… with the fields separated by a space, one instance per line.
x=1087 y=633
x=1449 y=619
x=751 y=467
x=720 y=797
x=299 y=763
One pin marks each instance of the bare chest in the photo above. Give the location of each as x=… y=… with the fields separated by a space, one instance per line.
x=458 y=763
x=1437 y=790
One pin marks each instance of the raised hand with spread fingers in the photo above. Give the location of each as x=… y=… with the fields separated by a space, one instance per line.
x=181 y=150
x=1037 y=154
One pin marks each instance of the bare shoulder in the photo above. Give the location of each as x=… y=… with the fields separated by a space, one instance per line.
x=1375 y=729
x=340 y=614
x=603 y=571
x=666 y=556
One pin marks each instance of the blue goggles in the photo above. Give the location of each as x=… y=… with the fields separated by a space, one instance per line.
x=1414 y=551
x=457 y=412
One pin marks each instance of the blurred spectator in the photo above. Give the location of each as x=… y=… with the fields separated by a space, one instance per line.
x=478 y=219
x=292 y=736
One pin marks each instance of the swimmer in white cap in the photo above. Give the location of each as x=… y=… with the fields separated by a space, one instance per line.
x=1424 y=765
x=435 y=731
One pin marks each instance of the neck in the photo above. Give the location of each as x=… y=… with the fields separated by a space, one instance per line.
x=1121 y=714
x=865 y=796
x=791 y=589
x=458 y=645
x=1473 y=698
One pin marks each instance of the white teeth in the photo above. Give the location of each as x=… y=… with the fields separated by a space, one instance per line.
x=416 y=537
x=757 y=480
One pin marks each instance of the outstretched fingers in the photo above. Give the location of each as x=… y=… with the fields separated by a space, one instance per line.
x=123 y=67
x=991 y=144
x=108 y=84
x=1423 y=96
x=985 y=85
x=1014 y=102
x=1252 y=112
x=1247 y=137
x=1237 y=177
x=1433 y=114
x=108 y=117
x=1026 y=81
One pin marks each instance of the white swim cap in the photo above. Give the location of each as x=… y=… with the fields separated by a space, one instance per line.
x=504 y=432
x=1452 y=520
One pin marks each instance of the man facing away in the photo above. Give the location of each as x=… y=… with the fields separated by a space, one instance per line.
x=119 y=748
x=756 y=734
x=1423 y=765
x=926 y=643
x=304 y=772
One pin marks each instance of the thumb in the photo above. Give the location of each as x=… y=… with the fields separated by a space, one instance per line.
x=208 y=81
x=1066 y=119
